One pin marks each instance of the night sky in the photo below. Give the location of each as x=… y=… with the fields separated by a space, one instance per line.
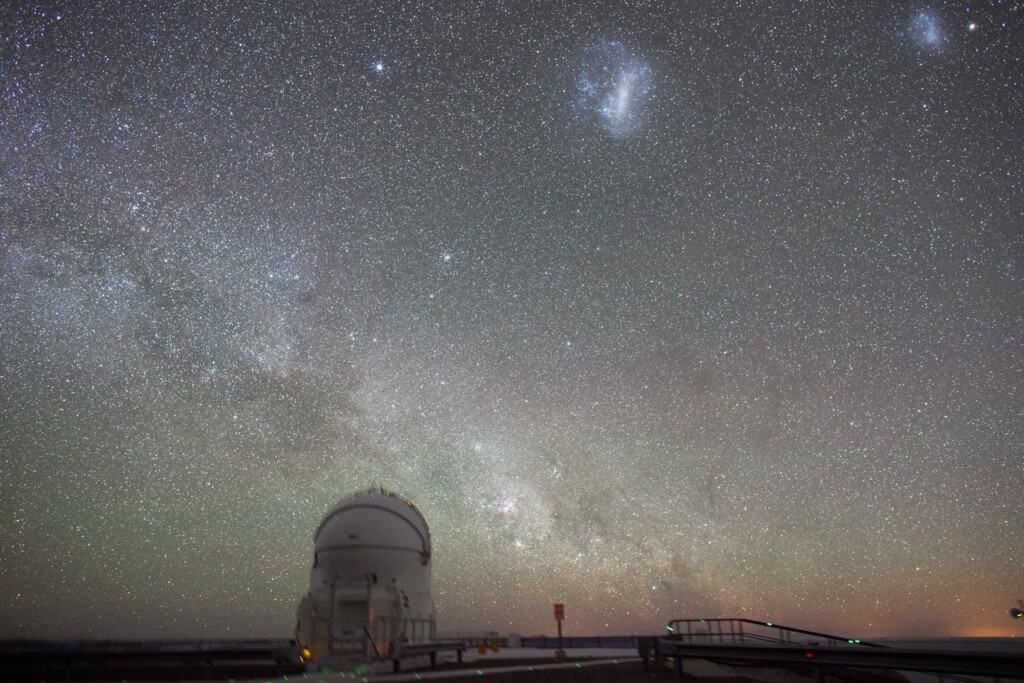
x=656 y=309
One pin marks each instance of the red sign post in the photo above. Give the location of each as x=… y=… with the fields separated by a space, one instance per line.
x=559 y=616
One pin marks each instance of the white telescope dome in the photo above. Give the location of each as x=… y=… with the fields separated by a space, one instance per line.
x=369 y=589
x=366 y=529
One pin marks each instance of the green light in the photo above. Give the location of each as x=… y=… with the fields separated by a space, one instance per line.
x=767 y=623
x=670 y=629
x=615 y=661
x=578 y=666
x=479 y=672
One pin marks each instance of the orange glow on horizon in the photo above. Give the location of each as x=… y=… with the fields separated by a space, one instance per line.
x=986 y=631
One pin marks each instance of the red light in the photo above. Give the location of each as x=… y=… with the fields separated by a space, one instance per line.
x=809 y=655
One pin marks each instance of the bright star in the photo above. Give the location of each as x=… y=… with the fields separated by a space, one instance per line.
x=972 y=26
x=378 y=67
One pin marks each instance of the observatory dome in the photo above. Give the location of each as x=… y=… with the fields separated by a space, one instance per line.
x=369 y=588
x=375 y=532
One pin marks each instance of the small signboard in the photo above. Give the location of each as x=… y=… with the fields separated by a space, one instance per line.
x=559 y=611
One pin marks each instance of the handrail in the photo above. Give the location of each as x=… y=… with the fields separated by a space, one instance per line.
x=782 y=630
x=372 y=644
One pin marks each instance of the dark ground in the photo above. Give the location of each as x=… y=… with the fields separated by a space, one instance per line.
x=633 y=672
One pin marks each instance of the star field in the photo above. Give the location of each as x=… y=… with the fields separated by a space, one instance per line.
x=655 y=309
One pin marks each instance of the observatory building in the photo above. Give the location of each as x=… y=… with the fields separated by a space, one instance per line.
x=369 y=590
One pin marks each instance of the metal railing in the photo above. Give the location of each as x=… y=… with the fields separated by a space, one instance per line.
x=147 y=660
x=551 y=642
x=738 y=631
x=765 y=643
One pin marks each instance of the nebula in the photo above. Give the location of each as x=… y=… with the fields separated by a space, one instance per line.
x=613 y=88
x=926 y=30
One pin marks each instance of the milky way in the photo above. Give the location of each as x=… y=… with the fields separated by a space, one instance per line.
x=658 y=311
